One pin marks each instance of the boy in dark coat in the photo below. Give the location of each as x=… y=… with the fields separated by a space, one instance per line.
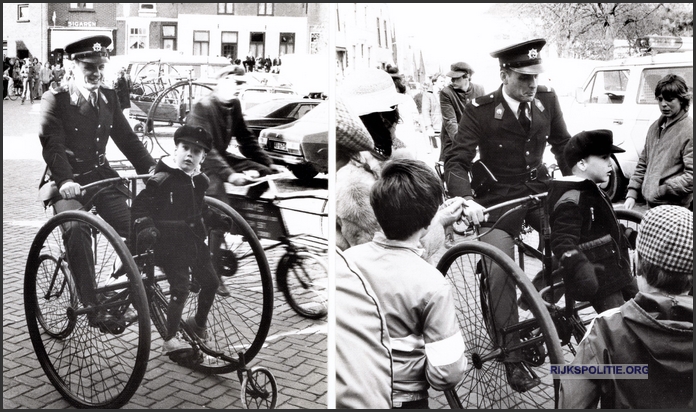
x=585 y=235
x=171 y=214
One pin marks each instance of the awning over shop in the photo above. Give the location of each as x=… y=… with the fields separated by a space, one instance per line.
x=62 y=36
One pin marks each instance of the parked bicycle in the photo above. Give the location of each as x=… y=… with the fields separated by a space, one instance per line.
x=96 y=363
x=543 y=328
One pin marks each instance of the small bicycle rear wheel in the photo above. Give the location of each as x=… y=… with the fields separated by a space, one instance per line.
x=97 y=356
x=239 y=322
x=532 y=334
x=304 y=279
x=259 y=389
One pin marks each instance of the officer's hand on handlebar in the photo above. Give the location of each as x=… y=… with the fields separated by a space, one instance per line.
x=70 y=189
x=474 y=212
x=629 y=203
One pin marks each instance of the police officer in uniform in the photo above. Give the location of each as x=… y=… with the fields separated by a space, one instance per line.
x=510 y=128
x=77 y=120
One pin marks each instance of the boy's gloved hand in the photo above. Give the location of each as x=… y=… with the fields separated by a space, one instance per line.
x=631 y=235
x=147 y=234
x=580 y=275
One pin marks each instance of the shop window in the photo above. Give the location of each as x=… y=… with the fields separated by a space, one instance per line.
x=137 y=38
x=229 y=44
x=169 y=37
x=287 y=43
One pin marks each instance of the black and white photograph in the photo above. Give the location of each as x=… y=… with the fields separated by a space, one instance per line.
x=347 y=205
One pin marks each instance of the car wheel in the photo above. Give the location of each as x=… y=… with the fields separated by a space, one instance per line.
x=615 y=188
x=303 y=171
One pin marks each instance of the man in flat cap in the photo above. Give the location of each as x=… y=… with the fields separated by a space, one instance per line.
x=220 y=113
x=509 y=129
x=453 y=99
x=77 y=120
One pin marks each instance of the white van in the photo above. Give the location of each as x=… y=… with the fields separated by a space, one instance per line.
x=620 y=96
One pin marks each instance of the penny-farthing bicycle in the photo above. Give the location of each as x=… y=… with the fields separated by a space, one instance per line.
x=97 y=361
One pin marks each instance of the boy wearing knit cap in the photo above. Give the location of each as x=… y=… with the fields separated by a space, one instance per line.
x=586 y=237
x=654 y=329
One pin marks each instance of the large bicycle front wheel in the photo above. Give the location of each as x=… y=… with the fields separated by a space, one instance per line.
x=530 y=335
x=238 y=322
x=304 y=280
x=95 y=356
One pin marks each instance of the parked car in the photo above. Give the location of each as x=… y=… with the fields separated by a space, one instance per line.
x=620 y=96
x=303 y=145
x=277 y=112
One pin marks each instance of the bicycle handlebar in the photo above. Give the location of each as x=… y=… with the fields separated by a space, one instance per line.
x=113 y=180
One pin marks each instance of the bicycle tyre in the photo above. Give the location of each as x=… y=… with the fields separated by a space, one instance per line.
x=239 y=322
x=57 y=295
x=96 y=365
x=12 y=93
x=303 y=278
x=172 y=106
x=254 y=393
x=485 y=384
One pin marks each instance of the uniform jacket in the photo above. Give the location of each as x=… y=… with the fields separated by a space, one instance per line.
x=581 y=216
x=224 y=122
x=74 y=136
x=418 y=304
x=452 y=105
x=364 y=376
x=489 y=124
x=651 y=329
x=175 y=203
x=665 y=170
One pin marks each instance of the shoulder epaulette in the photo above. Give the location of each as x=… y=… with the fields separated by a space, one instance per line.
x=544 y=89
x=482 y=100
x=571 y=196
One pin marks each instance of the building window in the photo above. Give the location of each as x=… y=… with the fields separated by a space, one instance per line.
x=225 y=8
x=137 y=38
x=201 y=43
x=147 y=7
x=256 y=42
x=22 y=12
x=265 y=9
x=82 y=6
x=229 y=45
x=287 y=43
x=379 y=36
x=169 y=37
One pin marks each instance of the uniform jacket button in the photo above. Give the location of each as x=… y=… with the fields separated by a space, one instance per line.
x=527 y=167
x=527 y=153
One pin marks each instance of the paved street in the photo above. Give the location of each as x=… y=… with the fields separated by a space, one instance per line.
x=295 y=350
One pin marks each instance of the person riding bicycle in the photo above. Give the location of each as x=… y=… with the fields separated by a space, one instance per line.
x=169 y=215
x=220 y=113
x=77 y=120
x=510 y=129
x=586 y=237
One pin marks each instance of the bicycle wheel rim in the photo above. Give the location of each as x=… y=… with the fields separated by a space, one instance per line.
x=239 y=322
x=485 y=384
x=92 y=367
x=259 y=379
x=304 y=279
x=55 y=293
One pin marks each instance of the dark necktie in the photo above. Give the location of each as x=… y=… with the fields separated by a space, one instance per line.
x=93 y=100
x=524 y=117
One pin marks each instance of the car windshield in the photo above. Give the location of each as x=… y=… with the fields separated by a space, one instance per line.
x=265 y=108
